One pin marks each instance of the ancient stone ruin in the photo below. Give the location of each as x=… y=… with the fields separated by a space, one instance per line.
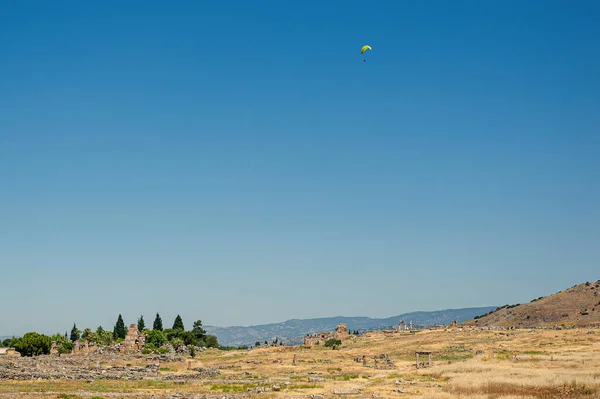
x=341 y=333
x=93 y=367
x=383 y=361
x=83 y=347
x=423 y=364
x=9 y=352
x=134 y=340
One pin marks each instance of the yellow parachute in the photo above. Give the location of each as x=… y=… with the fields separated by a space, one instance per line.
x=365 y=48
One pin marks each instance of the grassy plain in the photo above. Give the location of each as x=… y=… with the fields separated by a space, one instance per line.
x=469 y=364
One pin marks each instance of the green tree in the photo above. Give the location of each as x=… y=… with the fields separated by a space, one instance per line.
x=119 y=331
x=157 y=323
x=59 y=338
x=333 y=343
x=87 y=334
x=178 y=324
x=7 y=343
x=257 y=343
x=192 y=351
x=103 y=337
x=141 y=323
x=189 y=338
x=211 y=341
x=198 y=331
x=33 y=344
x=75 y=333
x=155 y=339
x=64 y=347
x=171 y=334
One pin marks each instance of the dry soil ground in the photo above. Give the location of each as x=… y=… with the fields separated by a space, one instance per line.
x=472 y=364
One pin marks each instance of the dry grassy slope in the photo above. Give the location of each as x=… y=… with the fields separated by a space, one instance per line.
x=565 y=308
x=519 y=364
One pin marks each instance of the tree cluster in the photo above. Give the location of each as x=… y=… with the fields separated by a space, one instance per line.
x=177 y=336
x=34 y=344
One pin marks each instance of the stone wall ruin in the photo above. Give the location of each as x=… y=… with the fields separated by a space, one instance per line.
x=134 y=340
x=341 y=333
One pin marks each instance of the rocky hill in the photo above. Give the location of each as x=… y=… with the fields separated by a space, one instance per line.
x=577 y=306
x=293 y=331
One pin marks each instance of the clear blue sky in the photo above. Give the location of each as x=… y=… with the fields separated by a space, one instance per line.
x=237 y=162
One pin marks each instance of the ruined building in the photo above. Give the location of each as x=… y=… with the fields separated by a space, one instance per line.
x=9 y=352
x=341 y=333
x=82 y=347
x=134 y=340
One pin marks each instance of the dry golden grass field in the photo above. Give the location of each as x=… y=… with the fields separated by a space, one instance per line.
x=516 y=364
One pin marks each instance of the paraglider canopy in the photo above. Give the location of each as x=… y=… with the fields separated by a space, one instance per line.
x=365 y=48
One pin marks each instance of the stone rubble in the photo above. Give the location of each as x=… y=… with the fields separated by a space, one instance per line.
x=346 y=391
x=142 y=395
x=383 y=361
x=89 y=368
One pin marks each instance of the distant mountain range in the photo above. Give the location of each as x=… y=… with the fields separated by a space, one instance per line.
x=293 y=331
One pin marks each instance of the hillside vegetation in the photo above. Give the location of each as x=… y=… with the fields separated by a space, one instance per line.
x=578 y=306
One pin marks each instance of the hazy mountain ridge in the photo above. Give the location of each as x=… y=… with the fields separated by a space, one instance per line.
x=293 y=330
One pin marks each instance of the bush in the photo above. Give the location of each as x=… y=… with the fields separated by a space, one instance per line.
x=65 y=347
x=177 y=343
x=212 y=341
x=189 y=338
x=155 y=338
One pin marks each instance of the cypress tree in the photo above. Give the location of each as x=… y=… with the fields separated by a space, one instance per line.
x=119 y=331
x=157 y=323
x=178 y=324
x=141 y=324
x=74 y=333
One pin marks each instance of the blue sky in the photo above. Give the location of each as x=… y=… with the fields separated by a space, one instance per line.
x=238 y=162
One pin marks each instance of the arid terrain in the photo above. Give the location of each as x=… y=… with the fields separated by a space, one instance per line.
x=470 y=363
x=575 y=306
